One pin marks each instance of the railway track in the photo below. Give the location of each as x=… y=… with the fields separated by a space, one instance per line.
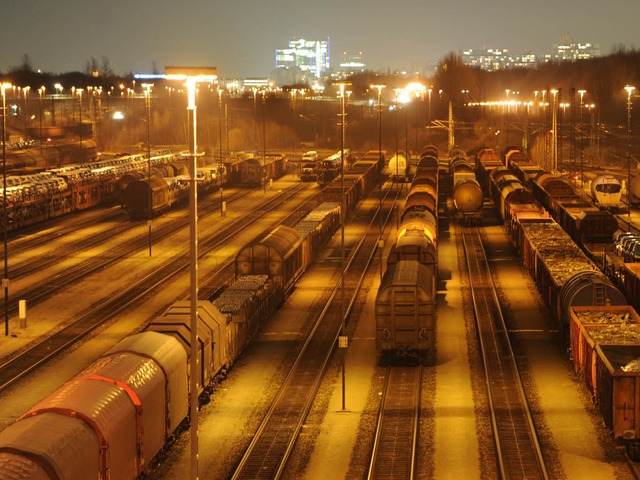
x=269 y=450
x=27 y=361
x=40 y=291
x=396 y=438
x=516 y=442
x=162 y=230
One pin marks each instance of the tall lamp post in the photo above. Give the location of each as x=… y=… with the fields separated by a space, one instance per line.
x=380 y=244
x=5 y=225
x=41 y=91
x=629 y=90
x=264 y=139
x=79 y=92
x=429 y=116
x=343 y=338
x=192 y=76
x=581 y=92
x=147 y=98
x=220 y=135
x=25 y=91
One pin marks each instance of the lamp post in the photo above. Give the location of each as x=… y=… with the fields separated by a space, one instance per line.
x=59 y=89
x=41 y=91
x=25 y=92
x=343 y=339
x=5 y=225
x=79 y=91
x=581 y=92
x=629 y=90
x=255 y=120
x=429 y=116
x=380 y=244
x=192 y=76
x=554 y=132
x=147 y=97
x=220 y=135
x=264 y=140
x=507 y=125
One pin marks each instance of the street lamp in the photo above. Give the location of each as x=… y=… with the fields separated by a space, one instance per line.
x=264 y=139
x=59 y=89
x=41 y=91
x=255 y=120
x=429 y=118
x=581 y=92
x=220 y=136
x=25 y=91
x=554 y=131
x=147 y=100
x=629 y=90
x=192 y=76
x=79 y=91
x=343 y=339
x=507 y=125
x=380 y=245
x=5 y=223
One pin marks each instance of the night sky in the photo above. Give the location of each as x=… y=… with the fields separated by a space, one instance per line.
x=240 y=36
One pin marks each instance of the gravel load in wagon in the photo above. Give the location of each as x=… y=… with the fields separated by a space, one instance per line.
x=240 y=295
x=593 y=326
x=557 y=250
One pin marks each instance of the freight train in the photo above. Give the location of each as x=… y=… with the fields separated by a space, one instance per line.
x=602 y=330
x=466 y=191
x=255 y=171
x=563 y=273
x=405 y=307
x=113 y=418
x=587 y=224
x=331 y=166
x=399 y=168
x=145 y=197
x=49 y=194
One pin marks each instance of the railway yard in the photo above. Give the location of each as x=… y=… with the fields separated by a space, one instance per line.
x=486 y=388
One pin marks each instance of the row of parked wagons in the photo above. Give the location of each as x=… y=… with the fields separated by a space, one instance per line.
x=112 y=419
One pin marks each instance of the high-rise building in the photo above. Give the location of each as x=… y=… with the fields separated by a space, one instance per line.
x=304 y=61
x=496 y=58
x=569 y=50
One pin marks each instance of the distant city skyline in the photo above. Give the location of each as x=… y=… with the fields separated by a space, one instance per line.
x=240 y=37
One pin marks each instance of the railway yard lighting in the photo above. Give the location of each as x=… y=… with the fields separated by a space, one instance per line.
x=192 y=76
x=147 y=100
x=581 y=92
x=343 y=338
x=429 y=116
x=629 y=90
x=220 y=134
x=79 y=92
x=5 y=224
x=380 y=242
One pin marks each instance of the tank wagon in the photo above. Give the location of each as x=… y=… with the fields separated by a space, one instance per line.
x=398 y=168
x=113 y=418
x=467 y=192
x=405 y=302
